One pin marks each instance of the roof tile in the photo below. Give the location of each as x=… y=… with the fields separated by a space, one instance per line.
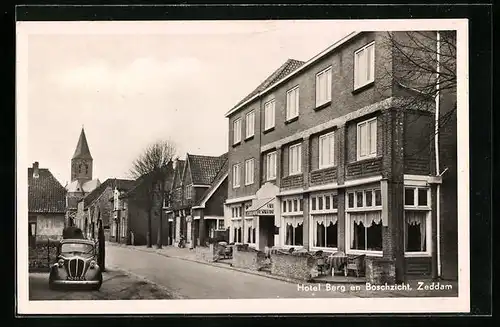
x=45 y=193
x=122 y=184
x=205 y=168
x=287 y=68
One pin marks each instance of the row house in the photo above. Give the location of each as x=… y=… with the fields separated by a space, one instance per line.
x=324 y=156
x=96 y=207
x=132 y=204
x=195 y=203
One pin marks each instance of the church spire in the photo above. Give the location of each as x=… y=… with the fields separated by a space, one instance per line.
x=82 y=150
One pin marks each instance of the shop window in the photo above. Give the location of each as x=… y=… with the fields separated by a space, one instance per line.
x=363 y=214
x=417 y=219
x=325 y=231
x=366 y=231
x=294 y=231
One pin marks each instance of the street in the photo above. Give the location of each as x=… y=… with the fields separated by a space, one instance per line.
x=201 y=281
x=139 y=273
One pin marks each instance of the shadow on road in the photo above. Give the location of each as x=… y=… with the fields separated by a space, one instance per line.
x=116 y=286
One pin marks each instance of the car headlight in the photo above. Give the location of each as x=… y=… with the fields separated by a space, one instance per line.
x=60 y=263
x=92 y=264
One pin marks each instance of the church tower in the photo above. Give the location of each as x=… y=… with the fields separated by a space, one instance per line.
x=81 y=163
x=81 y=182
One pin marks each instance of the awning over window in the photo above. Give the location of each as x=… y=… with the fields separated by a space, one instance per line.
x=261 y=207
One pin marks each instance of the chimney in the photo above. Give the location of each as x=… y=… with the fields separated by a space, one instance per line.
x=176 y=162
x=35 y=170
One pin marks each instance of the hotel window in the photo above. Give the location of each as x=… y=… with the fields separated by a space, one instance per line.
x=236 y=175
x=269 y=114
x=251 y=228
x=271 y=166
x=249 y=171
x=324 y=220
x=417 y=219
x=295 y=159
x=326 y=150
x=367 y=139
x=250 y=124
x=364 y=65
x=293 y=220
x=364 y=219
x=292 y=103
x=324 y=87
x=237 y=131
x=236 y=224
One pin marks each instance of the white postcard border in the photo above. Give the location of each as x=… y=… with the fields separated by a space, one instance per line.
x=272 y=306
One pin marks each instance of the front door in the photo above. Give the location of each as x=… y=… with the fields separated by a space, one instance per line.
x=266 y=231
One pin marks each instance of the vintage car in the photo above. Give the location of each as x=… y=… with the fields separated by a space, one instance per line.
x=76 y=265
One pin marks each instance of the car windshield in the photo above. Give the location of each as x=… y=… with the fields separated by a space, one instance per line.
x=76 y=247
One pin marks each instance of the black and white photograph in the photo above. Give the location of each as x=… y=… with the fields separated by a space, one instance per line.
x=242 y=166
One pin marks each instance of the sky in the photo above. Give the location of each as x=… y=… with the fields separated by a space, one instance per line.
x=131 y=86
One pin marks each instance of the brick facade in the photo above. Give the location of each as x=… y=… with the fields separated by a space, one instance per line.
x=403 y=154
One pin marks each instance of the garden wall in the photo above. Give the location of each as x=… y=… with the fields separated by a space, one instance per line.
x=297 y=265
x=42 y=254
x=248 y=258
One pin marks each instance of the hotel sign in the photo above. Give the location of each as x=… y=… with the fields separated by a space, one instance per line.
x=266 y=210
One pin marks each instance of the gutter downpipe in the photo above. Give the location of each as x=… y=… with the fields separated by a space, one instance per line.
x=436 y=145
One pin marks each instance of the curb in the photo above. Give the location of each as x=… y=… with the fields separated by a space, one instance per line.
x=223 y=266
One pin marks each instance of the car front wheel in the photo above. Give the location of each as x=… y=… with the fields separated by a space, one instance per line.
x=98 y=286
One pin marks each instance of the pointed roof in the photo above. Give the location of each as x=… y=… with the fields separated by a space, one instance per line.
x=121 y=184
x=45 y=193
x=204 y=169
x=82 y=150
x=217 y=182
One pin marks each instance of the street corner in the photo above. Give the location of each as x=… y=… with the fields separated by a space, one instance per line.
x=117 y=285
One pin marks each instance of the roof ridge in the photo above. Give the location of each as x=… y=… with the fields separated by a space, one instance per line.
x=270 y=79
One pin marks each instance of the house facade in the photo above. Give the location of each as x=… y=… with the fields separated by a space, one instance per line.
x=131 y=204
x=96 y=206
x=324 y=156
x=195 y=203
x=46 y=205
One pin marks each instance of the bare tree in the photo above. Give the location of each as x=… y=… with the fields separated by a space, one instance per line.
x=423 y=65
x=151 y=167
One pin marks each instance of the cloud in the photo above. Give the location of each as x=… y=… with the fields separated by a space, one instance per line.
x=144 y=74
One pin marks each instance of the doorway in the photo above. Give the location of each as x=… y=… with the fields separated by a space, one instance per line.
x=32 y=233
x=266 y=231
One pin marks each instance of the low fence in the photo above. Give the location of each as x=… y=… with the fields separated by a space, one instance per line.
x=296 y=265
x=42 y=253
x=248 y=258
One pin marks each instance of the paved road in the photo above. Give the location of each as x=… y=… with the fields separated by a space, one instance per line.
x=116 y=286
x=199 y=281
x=187 y=279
